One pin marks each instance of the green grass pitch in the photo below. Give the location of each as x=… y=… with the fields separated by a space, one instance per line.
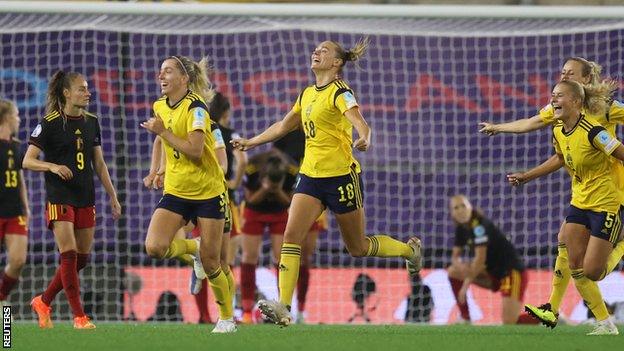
x=118 y=336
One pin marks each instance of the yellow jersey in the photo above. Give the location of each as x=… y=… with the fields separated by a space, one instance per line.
x=185 y=178
x=328 y=133
x=586 y=151
x=609 y=120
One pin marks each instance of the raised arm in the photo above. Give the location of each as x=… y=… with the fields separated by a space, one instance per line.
x=290 y=122
x=518 y=126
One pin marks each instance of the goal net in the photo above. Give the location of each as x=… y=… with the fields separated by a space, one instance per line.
x=423 y=87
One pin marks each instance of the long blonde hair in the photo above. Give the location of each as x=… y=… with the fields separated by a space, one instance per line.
x=197 y=72
x=595 y=98
x=5 y=108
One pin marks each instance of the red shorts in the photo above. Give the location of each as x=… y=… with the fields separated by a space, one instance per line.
x=13 y=225
x=82 y=217
x=513 y=285
x=255 y=222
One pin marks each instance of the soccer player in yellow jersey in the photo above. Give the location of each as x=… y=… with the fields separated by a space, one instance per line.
x=329 y=175
x=194 y=183
x=594 y=220
x=587 y=73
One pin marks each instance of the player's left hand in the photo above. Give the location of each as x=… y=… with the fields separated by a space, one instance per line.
x=115 y=208
x=362 y=144
x=154 y=125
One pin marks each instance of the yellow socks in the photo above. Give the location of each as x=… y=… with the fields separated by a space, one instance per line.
x=288 y=272
x=220 y=288
x=179 y=247
x=561 y=278
x=591 y=294
x=614 y=258
x=187 y=259
x=385 y=246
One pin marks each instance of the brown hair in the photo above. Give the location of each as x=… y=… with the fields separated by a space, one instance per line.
x=197 y=72
x=353 y=54
x=59 y=82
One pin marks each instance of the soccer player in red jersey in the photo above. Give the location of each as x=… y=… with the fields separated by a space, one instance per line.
x=69 y=138
x=14 y=210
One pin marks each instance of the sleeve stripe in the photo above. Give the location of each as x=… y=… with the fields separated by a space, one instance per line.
x=340 y=91
x=593 y=133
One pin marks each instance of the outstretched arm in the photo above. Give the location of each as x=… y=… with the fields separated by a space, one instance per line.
x=290 y=122
x=552 y=164
x=518 y=126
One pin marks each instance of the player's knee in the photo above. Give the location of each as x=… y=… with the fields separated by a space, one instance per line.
x=357 y=251
x=17 y=262
x=210 y=265
x=594 y=274
x=453 y=271
x=156 y=250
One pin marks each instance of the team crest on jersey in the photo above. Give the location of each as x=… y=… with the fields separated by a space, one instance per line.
x=35 y=133
x=199 y=118
x=309 y=110
x=350 y=100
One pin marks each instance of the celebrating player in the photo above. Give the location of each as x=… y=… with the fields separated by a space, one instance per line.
x=14 y=210
x=329 y=175
x=69 y=137
x=594 y=219
x=496 y=264
x=588 y=73
x=193 y=186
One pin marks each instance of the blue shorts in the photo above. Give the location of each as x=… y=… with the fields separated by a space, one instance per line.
x=603 y=225
x=341 y=194
x=215 y=208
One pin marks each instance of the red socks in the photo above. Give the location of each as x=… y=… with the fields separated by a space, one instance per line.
x=456 y=284
x=66 y=278
x=524 y=318
x=56 y=285
x=248 y=286
x=6 y=285
x=201 y=299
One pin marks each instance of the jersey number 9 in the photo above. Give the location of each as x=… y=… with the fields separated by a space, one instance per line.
x=80 y=160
